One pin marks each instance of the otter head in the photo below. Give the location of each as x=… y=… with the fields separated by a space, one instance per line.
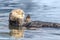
x=17 y=15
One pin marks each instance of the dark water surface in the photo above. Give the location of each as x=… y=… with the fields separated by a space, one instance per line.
x=42 y=10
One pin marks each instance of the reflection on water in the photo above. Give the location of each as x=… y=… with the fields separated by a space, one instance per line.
x=15 y=30
x=12 y=34
x=16 y=33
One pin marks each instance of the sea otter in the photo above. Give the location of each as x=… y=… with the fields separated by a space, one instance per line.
x=17 y=19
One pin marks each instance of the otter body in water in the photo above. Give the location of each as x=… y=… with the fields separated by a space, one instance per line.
x=40 y=24
x=17 y=19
